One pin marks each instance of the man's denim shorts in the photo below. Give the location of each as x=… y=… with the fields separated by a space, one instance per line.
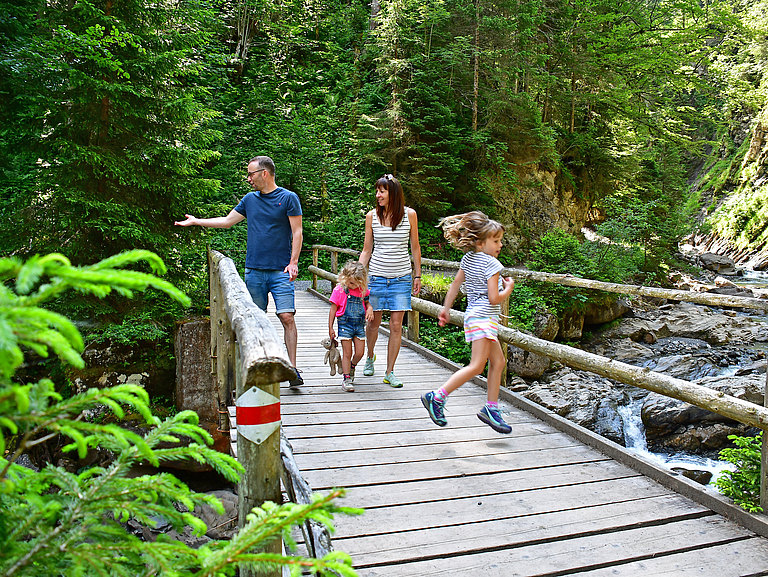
x=261 y=282
x=390 y=294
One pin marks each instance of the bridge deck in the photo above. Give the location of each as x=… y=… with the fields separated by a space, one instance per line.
x=463 y=500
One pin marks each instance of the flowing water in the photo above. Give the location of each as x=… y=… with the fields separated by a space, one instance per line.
x=634 y=440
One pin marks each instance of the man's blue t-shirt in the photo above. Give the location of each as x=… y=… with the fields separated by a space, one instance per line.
x=269 y=230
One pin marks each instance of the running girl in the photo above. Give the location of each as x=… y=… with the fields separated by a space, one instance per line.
x=350 y=306
x=480 y=238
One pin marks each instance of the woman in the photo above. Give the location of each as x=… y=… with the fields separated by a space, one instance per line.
x=388 y=228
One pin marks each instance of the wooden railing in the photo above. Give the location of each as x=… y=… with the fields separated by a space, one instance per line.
x=700 y=396
x=246 y=354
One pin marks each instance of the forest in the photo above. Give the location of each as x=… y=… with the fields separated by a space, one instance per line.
x=644 y=121
x=119 y=116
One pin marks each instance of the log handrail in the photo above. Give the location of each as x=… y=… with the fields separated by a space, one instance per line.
x=702 y=298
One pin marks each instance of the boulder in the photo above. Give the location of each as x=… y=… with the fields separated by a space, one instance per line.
x=717 y=263
x=571 y=326
x=525 y=364
x=598 y=314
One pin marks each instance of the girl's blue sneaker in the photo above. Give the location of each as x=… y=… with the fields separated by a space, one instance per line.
x=492 y=418
x=434 y=408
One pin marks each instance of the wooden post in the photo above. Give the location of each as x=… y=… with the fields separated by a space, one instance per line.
x=258 y=362
x=413 y=325
x=334 y=262
x=315 y=261
x=504 y=321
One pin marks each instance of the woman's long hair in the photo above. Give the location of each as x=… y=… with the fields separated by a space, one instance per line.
x=396 y=206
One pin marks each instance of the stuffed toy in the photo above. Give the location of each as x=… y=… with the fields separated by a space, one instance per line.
x=332 y=355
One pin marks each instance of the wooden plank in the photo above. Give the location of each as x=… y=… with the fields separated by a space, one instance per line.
x=395 y=439
x=478 y=485
x=420 y=470
x=738 y=559
x=506 y=505
x=416 y=424
x=574 y=555
x=495 y=533
x=508 y=448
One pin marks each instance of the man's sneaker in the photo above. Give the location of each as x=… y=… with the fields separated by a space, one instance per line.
x=296 y=381
x=352 y=372
x=368 y=368
x=492 y=418
x=434 y=408
x=392 y=380
x=347 y=386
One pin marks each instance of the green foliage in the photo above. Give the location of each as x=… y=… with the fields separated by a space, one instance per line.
x=106 y=128
x=436 y=283
x=56 y=522
x=560 y=253
x=447 y=341
x=743 y=484
x=523 y=304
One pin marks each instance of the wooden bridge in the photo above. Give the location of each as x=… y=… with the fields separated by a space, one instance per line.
x=549 y=499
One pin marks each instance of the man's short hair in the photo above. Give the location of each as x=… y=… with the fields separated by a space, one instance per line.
x=264 y=162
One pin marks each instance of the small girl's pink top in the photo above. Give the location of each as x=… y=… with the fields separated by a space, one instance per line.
x=339 y=297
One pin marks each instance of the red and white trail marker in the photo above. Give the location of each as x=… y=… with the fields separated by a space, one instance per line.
x=257 y=415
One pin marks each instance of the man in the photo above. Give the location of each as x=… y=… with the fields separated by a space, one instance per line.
x=274 y=242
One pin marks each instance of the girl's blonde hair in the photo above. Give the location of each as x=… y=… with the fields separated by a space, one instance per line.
x=464 y=231
x=354 y=270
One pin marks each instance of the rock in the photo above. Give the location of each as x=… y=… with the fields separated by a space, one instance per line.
x=545 y=325
x=701 y=477
x=526 y=364
x=608 y=421
x=224 y=525
x=650 y=337
x=721 y=282
x=718 y=263
x=692 y=321
x=582 y=397
x=598 y=314
x=571 y=326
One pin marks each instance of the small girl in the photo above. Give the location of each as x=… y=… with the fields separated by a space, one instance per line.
x=349 y=304
x=480 y=238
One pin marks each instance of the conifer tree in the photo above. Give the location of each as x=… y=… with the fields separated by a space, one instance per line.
x=105 y=132
x=57 y=522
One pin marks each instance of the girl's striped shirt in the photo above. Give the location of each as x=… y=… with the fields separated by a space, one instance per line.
x=390 y=257
x=478 y=267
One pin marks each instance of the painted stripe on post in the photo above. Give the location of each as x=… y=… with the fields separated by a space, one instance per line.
x=258 y=415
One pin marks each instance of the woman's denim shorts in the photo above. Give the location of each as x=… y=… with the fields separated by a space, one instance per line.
x=390 y=294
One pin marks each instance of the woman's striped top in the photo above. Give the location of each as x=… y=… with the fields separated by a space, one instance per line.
x=478 y=267
x=390 y=257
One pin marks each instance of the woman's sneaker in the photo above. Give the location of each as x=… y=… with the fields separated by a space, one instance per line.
x=434 y=408
x=492 y=418
x=392 y=380
x=368 y=368
x=347 y=385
